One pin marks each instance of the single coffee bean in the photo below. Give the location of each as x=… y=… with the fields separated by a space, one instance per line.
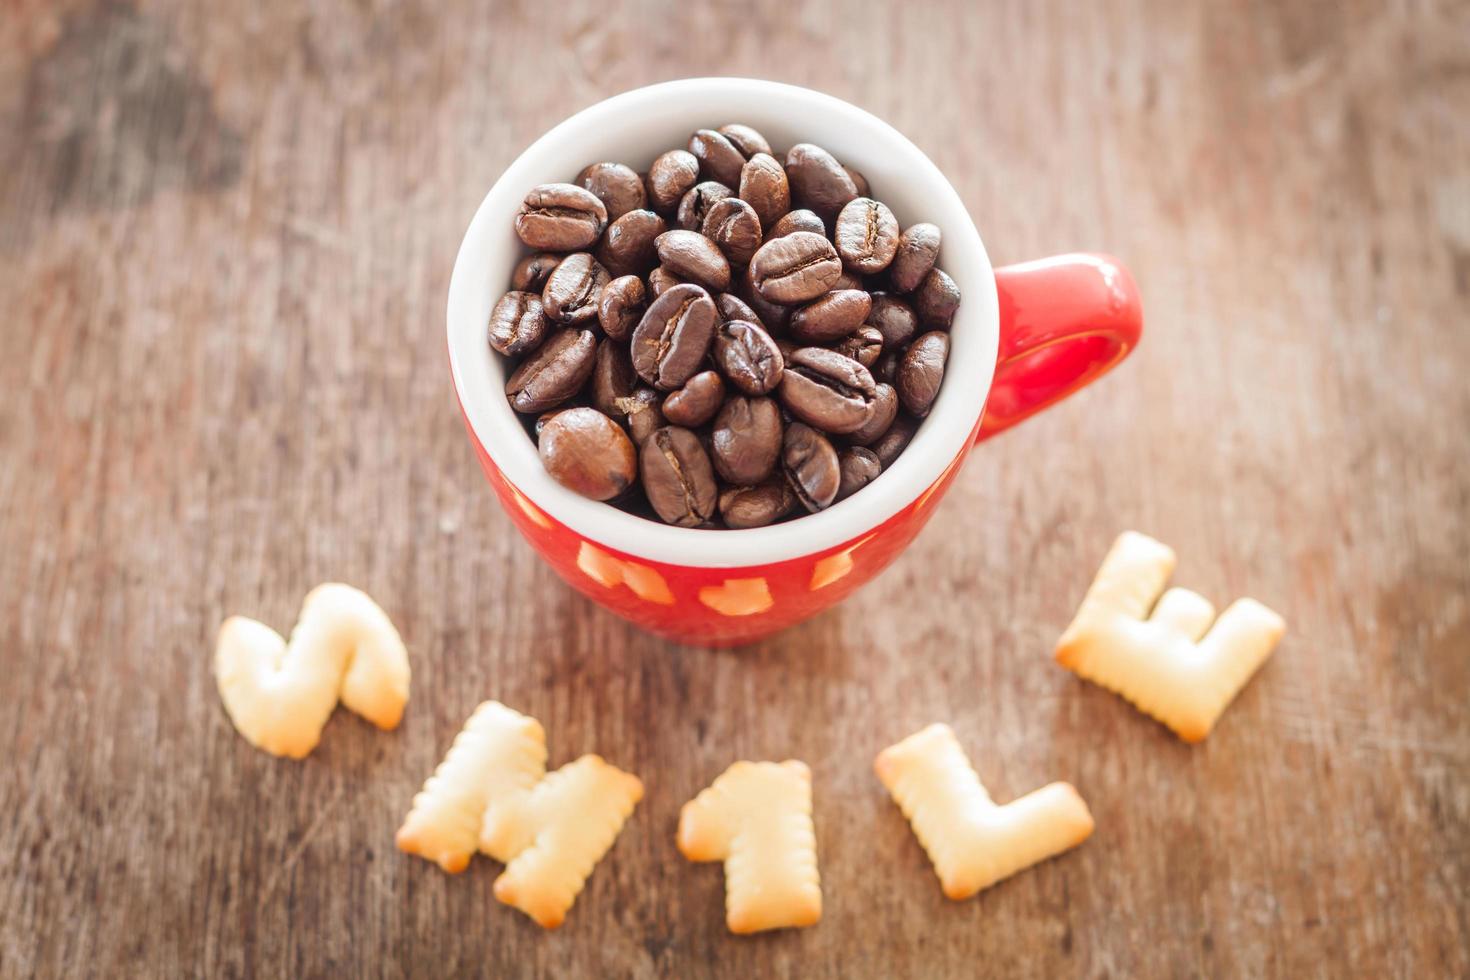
x=661 y=280
x=677 y=477
x=718 y=158
x=746 y=440
x=745 y=139
x=798 y=220
x=554 y=373
x=937 y=298
x=864 y=345
x=574 y=289
x=810 y=466
x=765 y=503
x=858 y=180
x=560 y=218
x=918 y=248
x=886 y=370
x=921 y=371
x=697 y=402
x=880 y=416
x=866 y=235
x=748 y=357
x=834 y=315
x=627 y=248
x=859 y=467
x=818 y=180
x=694 y=258
x=764 y=187
x=827 y=390
x=895 y=320
x=587 y=452
x=772 y=316
x=732 y=307
x=642 y=411
x=619 y=188
x=695 y=204
x=798 y=267
x=673 y=337
x=620 y=306
x=517 y=323
x=669 y=179
x=531 y=272
x=895 y=440
x=734 y=226
x=613 y=378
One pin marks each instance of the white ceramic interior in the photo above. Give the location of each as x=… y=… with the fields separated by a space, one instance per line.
x=635 y=127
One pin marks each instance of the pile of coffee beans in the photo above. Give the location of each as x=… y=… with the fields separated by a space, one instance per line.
x=740 y=337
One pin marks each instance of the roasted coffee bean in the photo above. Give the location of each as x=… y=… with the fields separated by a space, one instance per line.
x=734 y=226
x=677 y=477
x=858 y=180
x=613 y=378
x=574 y=289
x=773 y=316
x=937 y=298
x=895 y=440
x=745 y=139
x=921 y=371
x=827 y=390
x=880 y=416
x=620 y=306
x=818 y=180
x=554 y=373
x=918 y=248
x=764 y=187
x=531 y=272
x=732 y=307
x=697 y=201
x=619 y=188
x=545 y=417
x=718 y=158
x=641 y=409
x=886 y=370
x=859 y=467
x=748 y=357
x=765 y=503
x=517 y=323
x=697 y=402
x=865 y=346
x=627 y=248
x=746 y=440
x=560 y=218
x=799 y=220
x=810 y=466
x=669 y=179
x=694 y=258
x=895 y=320
x=866 y=235
x=673 y=337
x=587 y=452
x=661 y=280
x=831 y=317
x=798 y=267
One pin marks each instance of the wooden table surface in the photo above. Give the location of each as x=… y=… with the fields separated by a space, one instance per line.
x=226 y=233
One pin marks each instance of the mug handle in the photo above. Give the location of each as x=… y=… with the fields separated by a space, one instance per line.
x=1064 y=322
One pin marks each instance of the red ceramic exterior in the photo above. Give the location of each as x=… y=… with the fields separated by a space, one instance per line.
x=1063 y=323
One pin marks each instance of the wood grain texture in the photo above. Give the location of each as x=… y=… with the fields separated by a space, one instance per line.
x=226 y=233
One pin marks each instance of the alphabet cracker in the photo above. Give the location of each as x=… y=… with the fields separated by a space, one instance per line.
x=492 y=792
x=757 y=818
x=279 y=695
x=972 y=842
x=1160 y=663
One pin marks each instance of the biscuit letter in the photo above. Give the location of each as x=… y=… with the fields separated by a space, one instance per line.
x=1159 y=662
x=757 y=818
x=972 y=842
x=279 y=695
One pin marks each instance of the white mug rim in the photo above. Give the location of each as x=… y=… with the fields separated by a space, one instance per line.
x=942 y=438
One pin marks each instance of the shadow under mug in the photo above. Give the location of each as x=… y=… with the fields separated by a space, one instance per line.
x=1041 y=329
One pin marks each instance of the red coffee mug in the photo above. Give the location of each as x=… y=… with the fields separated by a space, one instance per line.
x=1024 y=337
